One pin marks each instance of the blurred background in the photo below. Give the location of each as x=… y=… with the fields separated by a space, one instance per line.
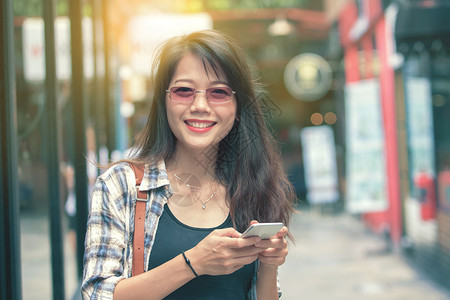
x=360 y=106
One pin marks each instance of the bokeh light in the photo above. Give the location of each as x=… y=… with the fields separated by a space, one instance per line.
x=316 y=119
x=330 y=118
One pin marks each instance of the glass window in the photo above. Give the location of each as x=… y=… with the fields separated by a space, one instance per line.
x=33 y=158
x=32 y=167
x=441 y=111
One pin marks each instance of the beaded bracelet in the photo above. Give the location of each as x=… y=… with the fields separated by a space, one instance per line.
x=188 y=262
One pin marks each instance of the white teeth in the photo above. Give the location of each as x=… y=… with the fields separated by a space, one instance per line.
x=200 y=124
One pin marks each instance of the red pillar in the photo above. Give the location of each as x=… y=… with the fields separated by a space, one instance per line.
x=392 y=216
x=347 y=18
x=387 y=83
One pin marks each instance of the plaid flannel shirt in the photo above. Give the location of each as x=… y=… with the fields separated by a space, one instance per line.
x=108 y=246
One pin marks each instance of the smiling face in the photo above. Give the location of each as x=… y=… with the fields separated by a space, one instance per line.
x=199 y=124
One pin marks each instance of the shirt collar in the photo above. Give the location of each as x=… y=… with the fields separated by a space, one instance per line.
x=155 y=176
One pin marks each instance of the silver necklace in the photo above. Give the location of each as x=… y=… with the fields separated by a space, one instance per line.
x=191 y=187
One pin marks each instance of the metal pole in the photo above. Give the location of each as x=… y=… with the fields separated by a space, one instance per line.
x=79 y=128
x=10 y=262
x=53 y=153
x=98 y=105
x=108 y=100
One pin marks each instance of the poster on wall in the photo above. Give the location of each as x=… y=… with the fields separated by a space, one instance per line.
x=365 y=159
x=420 y=126
x=319 y=156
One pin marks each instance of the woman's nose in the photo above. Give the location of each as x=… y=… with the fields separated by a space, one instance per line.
x=200 y=103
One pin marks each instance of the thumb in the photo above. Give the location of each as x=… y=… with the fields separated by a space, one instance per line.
x=228 y=232
x=282 y=233
x=254 y=222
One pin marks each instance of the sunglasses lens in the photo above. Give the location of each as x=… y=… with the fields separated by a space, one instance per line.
x=182 y=94
x=222 y=94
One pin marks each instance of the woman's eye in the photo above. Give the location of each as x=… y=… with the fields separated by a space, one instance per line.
x=184 y=91
x=219 y=92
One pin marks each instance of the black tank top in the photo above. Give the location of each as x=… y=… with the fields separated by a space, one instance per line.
x=173 y=237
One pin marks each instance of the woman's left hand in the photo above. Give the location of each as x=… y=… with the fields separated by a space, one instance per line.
x=276 y=248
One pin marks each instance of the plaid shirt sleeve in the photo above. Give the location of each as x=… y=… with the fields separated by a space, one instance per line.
x=106 y=236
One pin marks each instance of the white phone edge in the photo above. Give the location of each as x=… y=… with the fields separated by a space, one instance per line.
x=263 y=230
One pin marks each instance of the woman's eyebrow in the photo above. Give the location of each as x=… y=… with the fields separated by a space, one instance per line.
x=184 y=80
x=192 y=81
x=219 y=82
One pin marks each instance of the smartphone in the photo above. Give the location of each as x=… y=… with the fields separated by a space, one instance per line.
x=263 y=230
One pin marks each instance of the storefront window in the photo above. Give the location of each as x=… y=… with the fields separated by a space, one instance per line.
x=419 y=115
x=440 y=72
x=427 y=96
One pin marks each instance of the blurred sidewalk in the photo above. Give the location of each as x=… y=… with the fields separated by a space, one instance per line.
x=36 y=259
x=336 y=257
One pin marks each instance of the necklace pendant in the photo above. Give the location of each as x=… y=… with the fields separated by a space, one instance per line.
x=203 y=206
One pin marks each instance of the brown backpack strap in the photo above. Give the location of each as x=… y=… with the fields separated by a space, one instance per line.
x=139 y=223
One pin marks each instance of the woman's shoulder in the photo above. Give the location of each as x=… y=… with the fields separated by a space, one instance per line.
x=116 y=170
x=123 y=173
x=117 y=177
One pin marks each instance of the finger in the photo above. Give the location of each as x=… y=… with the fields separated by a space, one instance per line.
x=231 y=265
x=272 y=243
x=273 y=256
x=275 y=261
x=228 y=232
x=254 y=222
x=274 y=252
x=245 y=260
x=243 y=242
x=246 y=251
x=282 y=233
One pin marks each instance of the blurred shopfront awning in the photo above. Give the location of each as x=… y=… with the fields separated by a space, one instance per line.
x=425 y=21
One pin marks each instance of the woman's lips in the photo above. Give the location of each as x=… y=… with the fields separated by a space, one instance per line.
x=199 y=126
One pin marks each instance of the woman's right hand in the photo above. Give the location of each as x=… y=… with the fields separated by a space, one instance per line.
x=223 y=252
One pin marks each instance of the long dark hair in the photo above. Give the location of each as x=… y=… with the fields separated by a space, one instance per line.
x=249 y=163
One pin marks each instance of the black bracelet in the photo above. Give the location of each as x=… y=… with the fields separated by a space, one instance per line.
x=188 y=262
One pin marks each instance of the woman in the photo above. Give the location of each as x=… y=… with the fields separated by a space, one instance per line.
x=211 y=169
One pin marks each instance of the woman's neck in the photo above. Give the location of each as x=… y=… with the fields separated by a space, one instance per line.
x=200 y=164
